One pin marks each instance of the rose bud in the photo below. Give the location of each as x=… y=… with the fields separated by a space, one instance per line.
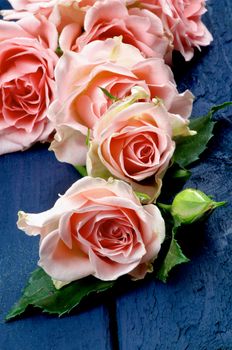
x=191 y=205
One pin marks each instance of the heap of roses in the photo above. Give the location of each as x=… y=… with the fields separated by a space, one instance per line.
x=113 y=44
x=93 y=78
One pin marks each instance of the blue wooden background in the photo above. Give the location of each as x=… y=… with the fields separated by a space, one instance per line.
x=193 y=311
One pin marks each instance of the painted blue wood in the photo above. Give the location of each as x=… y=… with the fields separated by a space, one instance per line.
x=4 y=4
x=31 y=181
x=193 y=311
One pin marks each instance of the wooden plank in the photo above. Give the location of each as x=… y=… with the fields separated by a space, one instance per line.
x=4 y=4
x=31 y=181
x=193 y=311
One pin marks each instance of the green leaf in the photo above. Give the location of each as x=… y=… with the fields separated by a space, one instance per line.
x=189 y=148
x=108 y=94
x=40 y=292
x=174 y=255
x=173 y=258
x=81 y=169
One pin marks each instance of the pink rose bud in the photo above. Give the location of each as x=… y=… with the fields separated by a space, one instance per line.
x=96 y=228
x=191 y=205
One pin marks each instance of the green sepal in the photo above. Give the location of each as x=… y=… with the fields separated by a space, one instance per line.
x=40 y=292
x=58 y=51
x=87 y=141
x=81 y=169
x=143 y=197
x=165 y=207
x=108 y=94
x=181 y=174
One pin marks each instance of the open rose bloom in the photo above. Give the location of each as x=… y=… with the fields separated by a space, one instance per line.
x=116 y=67
x=182 y=22
x=22 y=8
x=108 y=18
x=96 y=228
x=154 y=26
x=27 y=86
x=133 y=141
x=62 y=13
x=112 y=44
x=59 y=12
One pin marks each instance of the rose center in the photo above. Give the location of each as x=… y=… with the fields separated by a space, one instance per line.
x=144 y=152
x=141 y=149
x=112 y=234
x=19 y=94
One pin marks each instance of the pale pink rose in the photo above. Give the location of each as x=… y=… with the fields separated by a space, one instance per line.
x=109 y=18
x=63 y=13
x=96 y=228
x=133 y=141
x=117 y=67
x=59 y=12
x=22 y=8
x=26 y=82
x=182 y=21
x=32 y=6
x=68 y=13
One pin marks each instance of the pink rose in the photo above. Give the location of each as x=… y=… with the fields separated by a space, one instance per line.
x=66 y=13
x=32 y=6
x=21 y=8
x=45 y=6
x=182 y=21
x=96 y=228
x=133 y=141
x=27 y=81
x=112 y=65
x=108 y=18
x=59 y=12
